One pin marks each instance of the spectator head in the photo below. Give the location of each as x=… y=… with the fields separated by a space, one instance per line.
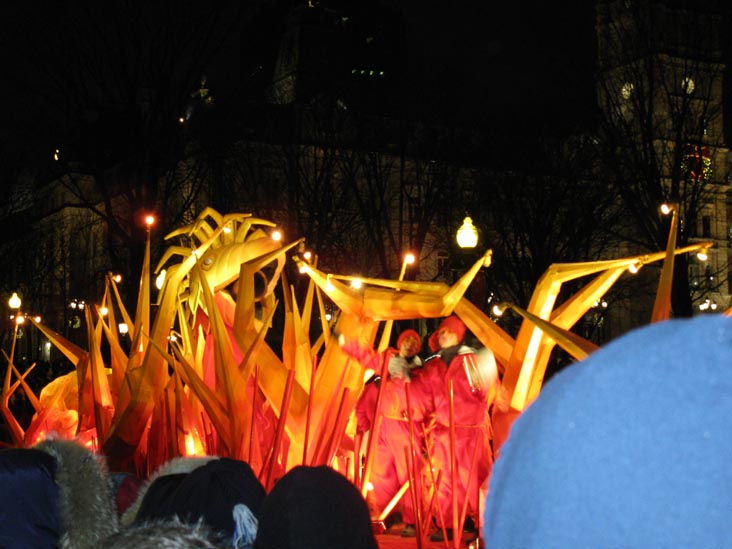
x=223 y=493
x=628 y=448
x=312 y=508
x=55 y=494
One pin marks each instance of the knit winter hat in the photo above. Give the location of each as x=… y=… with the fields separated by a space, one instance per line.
x=314 y=508
x=455 y=325
x=406 y=334
x=628 y=448
x=224 y=492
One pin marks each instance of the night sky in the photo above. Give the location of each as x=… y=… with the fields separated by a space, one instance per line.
x=530 y=63
x=499 y=66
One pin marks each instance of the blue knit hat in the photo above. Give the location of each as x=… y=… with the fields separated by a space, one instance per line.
x=631 y=447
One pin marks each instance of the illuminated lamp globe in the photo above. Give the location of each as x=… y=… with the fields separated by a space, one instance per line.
x=14 y=301
x=467 y=235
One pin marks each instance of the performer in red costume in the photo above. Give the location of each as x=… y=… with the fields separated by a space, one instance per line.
x=389 y=471
x=474 y=385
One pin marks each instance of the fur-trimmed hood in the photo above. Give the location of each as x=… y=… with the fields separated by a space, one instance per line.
x=57 y=494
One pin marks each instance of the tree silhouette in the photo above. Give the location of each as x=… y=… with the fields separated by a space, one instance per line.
x=660 y=95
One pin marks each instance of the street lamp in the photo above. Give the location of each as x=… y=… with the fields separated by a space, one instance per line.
x=14 y=301
x=467 y=234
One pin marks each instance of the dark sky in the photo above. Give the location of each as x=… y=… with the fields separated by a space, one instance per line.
x=494 y=64
x=521 y=61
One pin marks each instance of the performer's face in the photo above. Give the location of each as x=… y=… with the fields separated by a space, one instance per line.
x=447 y=339
x=409 y=347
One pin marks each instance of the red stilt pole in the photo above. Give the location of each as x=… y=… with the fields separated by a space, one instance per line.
x=310 y=412
x=453 y=469
x=280 y=428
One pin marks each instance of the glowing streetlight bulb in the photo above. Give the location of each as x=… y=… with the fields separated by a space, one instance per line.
x=666 y=209
x=702 y=255
x=409 y=258
x=149 y=220
x=14 y=301
x=276 y=236
x=104 y=311
x=467 y=235
x=123 y=328
x=356 y=283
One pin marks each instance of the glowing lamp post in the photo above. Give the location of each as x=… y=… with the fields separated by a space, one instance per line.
x=14 y=301
x=408 y=260
x=467 y=234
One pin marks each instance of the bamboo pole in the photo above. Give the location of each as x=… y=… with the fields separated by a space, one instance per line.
x=375 y=426
x=357 y=459
x=417 y=499
x=428 y=515
x=392 y=503
x=473 y=463
x=280 y=427
x=310 y=411
x=453 y=467
x=253 y=426
x=338 y=428
x=413 y=493
x=440 y=514
x=320 y=456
